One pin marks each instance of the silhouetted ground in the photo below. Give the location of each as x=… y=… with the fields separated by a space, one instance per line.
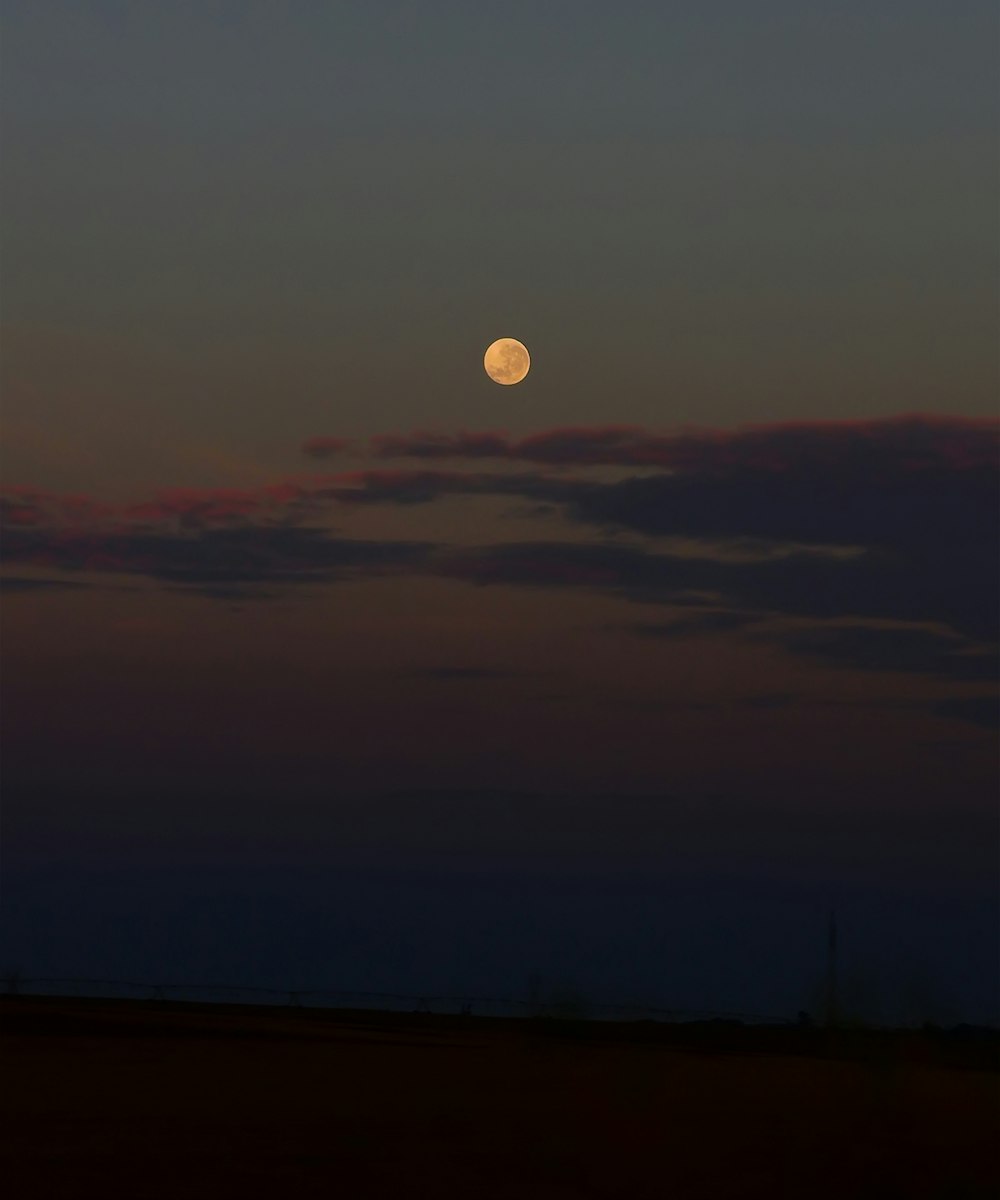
x=133 y=1099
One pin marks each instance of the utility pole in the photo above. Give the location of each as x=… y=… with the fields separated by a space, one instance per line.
x=831 y=971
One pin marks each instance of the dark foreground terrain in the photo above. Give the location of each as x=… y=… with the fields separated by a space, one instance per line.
x=131 y=1099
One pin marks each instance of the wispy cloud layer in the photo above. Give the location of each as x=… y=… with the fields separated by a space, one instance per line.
x=894 y=520
x=217 y=561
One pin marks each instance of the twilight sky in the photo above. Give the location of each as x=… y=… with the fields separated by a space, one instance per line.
x=329 y=662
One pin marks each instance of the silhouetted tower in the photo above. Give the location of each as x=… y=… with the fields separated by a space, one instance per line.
x=831 y=970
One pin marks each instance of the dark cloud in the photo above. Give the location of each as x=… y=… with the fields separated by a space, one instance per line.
x=180 y=508
x=920 y=494
x=919 y=497
x=894 y=519
x=802 y=584
x=196 y=508
x=253 y=561
x=849 y=508
x=696 y=624
x=422 y=487
x=217 y=561
x=565 y=564
x=953 y=585
x=17 y=583
x=909 y=484
x=909 y=443
x=892 y=649
x=798 y=585
x=977 y=710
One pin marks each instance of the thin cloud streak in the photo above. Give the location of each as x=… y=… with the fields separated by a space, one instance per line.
x=913 y=442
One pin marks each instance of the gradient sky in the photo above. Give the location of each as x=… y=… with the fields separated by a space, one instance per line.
x=329 y=662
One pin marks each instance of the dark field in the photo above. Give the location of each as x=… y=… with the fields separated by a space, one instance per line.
x=105 y=1098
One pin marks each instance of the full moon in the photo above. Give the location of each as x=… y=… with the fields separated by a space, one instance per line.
x=506 y=361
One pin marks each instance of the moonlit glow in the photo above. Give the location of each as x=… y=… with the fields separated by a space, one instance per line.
x=506 y=361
